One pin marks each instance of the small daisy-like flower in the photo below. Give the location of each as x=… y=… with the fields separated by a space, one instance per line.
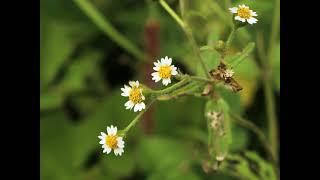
x=243 y=14
x=135 y=95
x=111 y=141
x=228 y=73
x=164 y=71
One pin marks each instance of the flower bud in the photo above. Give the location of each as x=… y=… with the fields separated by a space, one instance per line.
x=220 y=46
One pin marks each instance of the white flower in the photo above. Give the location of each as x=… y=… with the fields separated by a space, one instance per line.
x=164 y=71
x=135 y=95
x=243 y=14
x=111 y=141
x=228 y=73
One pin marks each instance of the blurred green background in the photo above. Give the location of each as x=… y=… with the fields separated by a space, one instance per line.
x=82 y=70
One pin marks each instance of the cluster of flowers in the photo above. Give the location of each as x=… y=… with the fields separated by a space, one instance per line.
x=164 y=71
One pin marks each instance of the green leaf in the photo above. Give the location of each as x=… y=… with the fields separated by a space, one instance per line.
x=55 y=47
x=235 y=60
x=156 y=154
x=50 y=101
x=82 y=68
x=119 y=167
x=56 y=132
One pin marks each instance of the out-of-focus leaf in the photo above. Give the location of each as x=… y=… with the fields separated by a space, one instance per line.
x=119 y=167
x=181 y=112
x=173 y=174
x=56 y=137
x=55 y=48
x=50 y=101
x=211 y=60
x=239 y=139
x=163 y=154
x=235 y=60
x=79 y=71
x=247 y=74
x=233 y=99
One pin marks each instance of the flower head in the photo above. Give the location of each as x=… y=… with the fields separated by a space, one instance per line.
x=243 y=14
x=228 y=73
x=135 y=95
x=111 y=141
x=164 y=71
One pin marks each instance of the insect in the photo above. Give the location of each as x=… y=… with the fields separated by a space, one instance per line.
x=219 y=75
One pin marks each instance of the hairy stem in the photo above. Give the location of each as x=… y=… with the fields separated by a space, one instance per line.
x=186 y=30
x=136 y=119
x=268 y=88
x=230 y=38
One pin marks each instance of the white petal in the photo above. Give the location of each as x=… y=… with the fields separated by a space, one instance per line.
x=129 y=105
x=156 y=76
x=169 y=61
x=102 y=135
x=166 y=81
x=142 y=106
x=157 y=64
x=162 y=61
x=142 y=97
x=252 y=20
x=239 y=19
x=134 y=83
x=233 y=10
x=137 y=83
x=118 y=151
x=174 y=70
x=126 y=90
x=107 y=149
x=253 y=13
x=136 y=107
x=120 y=143
x=156 y=68
x=114 y=130
x=120 y=139
x=109 y=129
x=102 y=141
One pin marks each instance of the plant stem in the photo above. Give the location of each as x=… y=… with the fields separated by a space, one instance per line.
x=230 y=38
x=271 y=115
x=196 y=78
x=186 y=30
x=109 y=30
x=172 y=13
x=191 y=38
x=136 y=119
x=261 y=136
x=268 y=89
x=172 y=88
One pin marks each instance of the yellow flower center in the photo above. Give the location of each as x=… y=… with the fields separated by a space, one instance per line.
x=135 y=95
x=111 y=141
x=244 y=12
x=165 y=72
